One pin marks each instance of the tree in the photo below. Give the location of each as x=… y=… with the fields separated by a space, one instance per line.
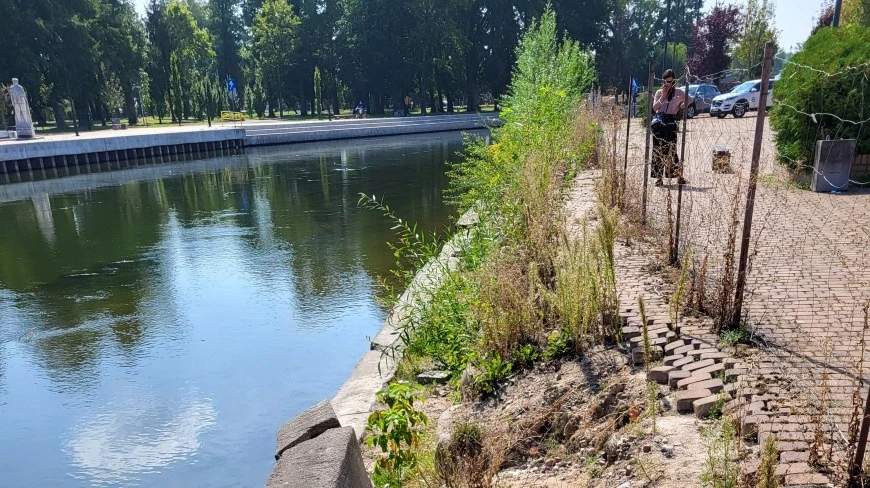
x=275 y=36
x=711 y=42
x=758 y=29
x=317 y=91
x=225 y=25
x=176 y=90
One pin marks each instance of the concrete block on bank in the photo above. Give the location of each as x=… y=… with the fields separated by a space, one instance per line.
x=331 y=460
x=306 y=426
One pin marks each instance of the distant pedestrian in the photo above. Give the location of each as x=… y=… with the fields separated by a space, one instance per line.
x=360 y=110
x=666 y=105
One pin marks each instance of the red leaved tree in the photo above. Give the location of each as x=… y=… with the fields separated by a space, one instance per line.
x=711 y=43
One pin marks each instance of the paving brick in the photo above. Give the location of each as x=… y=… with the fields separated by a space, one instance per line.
x=698 y=365
x=794 y=457
x=693 y=378
x=806 y=479
x=679 y=363
x=673 y=345
x=669 y=360
x=702 y=406
x=684 y=349
x=675 y=376
x=716 y=356
x=795 y=468
x=715 y=385
x=686 y=398
x=713 y=369
x=659 y=374
x=705 y=350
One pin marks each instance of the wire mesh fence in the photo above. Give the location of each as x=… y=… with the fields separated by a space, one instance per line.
x=808 y=275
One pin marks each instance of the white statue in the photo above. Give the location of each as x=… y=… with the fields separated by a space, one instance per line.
x=23 y=119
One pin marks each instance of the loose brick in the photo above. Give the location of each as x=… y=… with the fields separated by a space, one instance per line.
x=698 y=365
x=684 y=349
x=659 y=374
x=679 y=363
x=705 y=350
x=675 y=376
x=715 y=385
x=806 y=479
x=716 y=356
x=685 y=399
x=669 y=360
x=673 y=345
x=713 y=369
x=749 y=426
x=693 y=378
x=702 y=406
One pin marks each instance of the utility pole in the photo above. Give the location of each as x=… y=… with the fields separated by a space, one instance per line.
x=838 y=6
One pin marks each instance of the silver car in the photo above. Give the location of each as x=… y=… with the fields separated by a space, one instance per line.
x=702 y=99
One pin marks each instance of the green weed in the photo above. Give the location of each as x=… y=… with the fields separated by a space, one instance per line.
x=395 y=431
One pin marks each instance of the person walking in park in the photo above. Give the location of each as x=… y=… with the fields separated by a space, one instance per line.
x=667 y=103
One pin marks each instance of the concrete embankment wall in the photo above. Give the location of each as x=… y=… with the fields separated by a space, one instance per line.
x=133 y=147
x=355 y=129
x=157 y=147
x=333 y=462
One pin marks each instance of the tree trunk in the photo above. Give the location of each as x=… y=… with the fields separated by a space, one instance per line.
x=58 y=115
x=450 y=109
x=303 y=102
x=130 y=107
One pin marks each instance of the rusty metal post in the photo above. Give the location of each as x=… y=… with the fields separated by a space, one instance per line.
x=675 y=252
x=753 y=181
x=627 y=132
x=649 y=103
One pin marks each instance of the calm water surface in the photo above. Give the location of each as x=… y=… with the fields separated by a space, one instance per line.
x=157 y=325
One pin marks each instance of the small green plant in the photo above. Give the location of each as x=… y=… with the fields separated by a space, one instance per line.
x=495 y=369
x=527 y=355
x=395 y=430
x=766 y=471
x=676 y=304
x=720 y=467
x=715 y=412
x=647 y=350
x=652 y=400
x=732 y=337
x=558 y=343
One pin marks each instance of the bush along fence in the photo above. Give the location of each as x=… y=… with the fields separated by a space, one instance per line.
x=775 y=271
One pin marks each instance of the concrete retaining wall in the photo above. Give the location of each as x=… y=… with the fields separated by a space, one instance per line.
x=330 y=131
x=315 y=451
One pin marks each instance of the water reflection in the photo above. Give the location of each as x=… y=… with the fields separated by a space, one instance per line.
x=133 y=436
x=247 y=279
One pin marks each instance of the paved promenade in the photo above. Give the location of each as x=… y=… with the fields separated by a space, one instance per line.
x=808 y=283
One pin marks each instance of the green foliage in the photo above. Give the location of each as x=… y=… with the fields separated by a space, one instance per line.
x=715 y=412
x=494 y=369
x=413 y=248
x=275 y=46
x=828 y=78
x=559 y=342
x=758 y=29
x=767 y=477
x=732 y=336
x=395 y=431
x=527 y=355
x=720 y=466
x=318 y=102
x=176 y=93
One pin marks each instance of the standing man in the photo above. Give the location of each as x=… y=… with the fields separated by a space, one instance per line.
x=667 y=102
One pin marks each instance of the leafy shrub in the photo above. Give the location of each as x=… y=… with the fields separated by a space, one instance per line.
x=394 y=431
x=828 y=78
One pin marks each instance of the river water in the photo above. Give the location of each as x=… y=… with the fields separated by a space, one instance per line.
x=158 y=324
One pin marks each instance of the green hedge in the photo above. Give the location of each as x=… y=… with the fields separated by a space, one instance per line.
x=829 y=76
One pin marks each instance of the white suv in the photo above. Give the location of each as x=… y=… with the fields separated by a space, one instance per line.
x=743 y=98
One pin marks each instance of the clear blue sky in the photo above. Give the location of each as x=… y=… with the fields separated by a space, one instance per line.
x=794 y=18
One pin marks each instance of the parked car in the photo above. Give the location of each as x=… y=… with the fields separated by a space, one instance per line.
x=743 y=98
x=702 y=99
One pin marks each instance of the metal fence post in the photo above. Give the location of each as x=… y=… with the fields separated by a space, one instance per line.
x=675 y=252
x=649 y=103
x=627 y=132
x=753 y=181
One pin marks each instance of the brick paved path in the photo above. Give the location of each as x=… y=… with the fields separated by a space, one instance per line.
x=809 y=277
